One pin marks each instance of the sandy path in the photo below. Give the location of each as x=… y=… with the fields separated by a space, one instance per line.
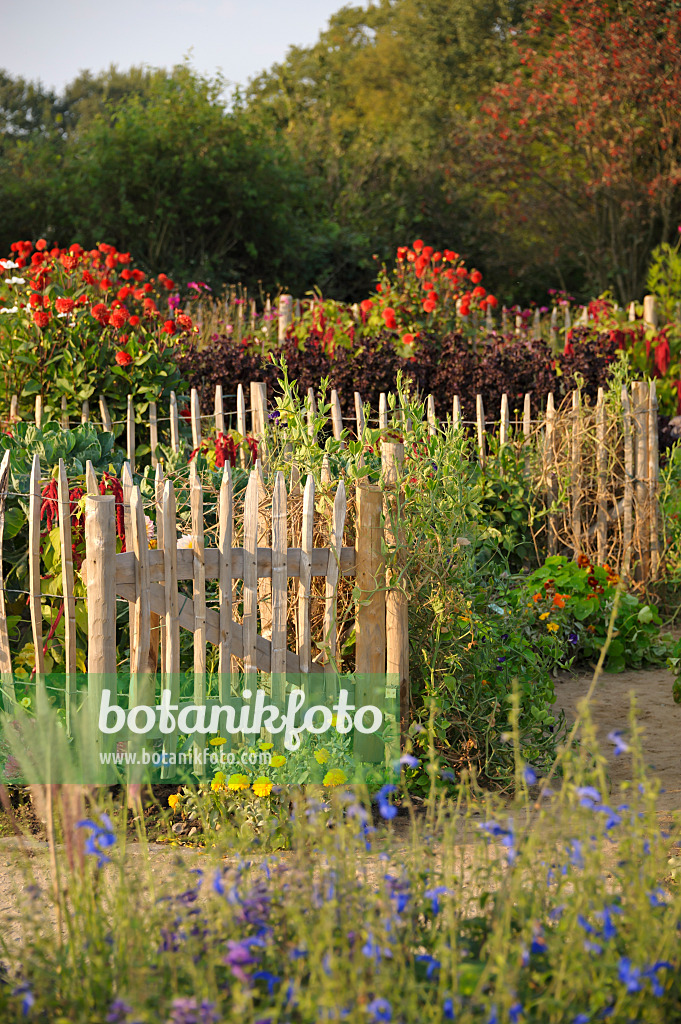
x=657 y=713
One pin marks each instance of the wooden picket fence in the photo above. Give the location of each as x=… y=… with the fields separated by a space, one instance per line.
x=147 y=579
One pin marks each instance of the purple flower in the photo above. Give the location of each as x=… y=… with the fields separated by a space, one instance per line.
x=118 y=1012
x=239 y=956
x=529 y=775
x=173 y=301
x=573 y=638
x=189 y=1011
x=493 y=1016
x=615 y=738
x=515 y=1012
x=409 y=761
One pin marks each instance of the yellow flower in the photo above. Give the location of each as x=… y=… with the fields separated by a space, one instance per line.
x=265 y=746
x=218 y=782
x=334 y=720
x=321 y=756
x=278 y=760
x=552 y=626
x=262 y=786
x=172 y=800
x=217 y=741
x=238 y=782
x=335 y=777
x=544 y=615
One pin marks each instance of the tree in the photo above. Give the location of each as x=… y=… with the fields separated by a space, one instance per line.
x=581 y=150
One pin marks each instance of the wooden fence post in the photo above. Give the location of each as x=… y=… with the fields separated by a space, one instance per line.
x=104 y=413
x=431 y=417
x=219 y=410
x=304 y=641
x=68 y=592
x=195 y=413
x=641 y=491
x=6 y=678
x=382 y=411
x=38 y=411
x=14 y=409
x=505 y=421
x=199 y=594
x=241 y=421
x=174 y=423
x=576 y=472
x=285 y=316
x=480 y=421
x=396 y=601
x=153 y=433
x=336 y=415
x=225 y=537
x=64 y=413
x=370 y=645
x=627 y=514
x=456 y=412
x=100 y=548
x=311 y=405
x=650 y=317
x=601 y=480
x=130 y=423
x=259 y=415
x=549 y=472
x=527 y=417
x=359 y=415
x=35 y=600
x=85 y=412
x=653 y=480
x=172 y=614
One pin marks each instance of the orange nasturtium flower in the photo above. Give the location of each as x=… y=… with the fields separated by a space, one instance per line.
x=536 y=597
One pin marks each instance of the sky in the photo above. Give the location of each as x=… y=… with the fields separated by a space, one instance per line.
x=53 y=40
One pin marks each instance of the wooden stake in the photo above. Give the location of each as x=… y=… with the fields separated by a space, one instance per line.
x=6 y=678
x=91 y=485
x=199 y=591
x=430 y=414
x=172 y=616
x=225 y=540
x=100 y=547
x=527 y=417
x=549 y=471
x=627 y=528
x=370 y=631
x=576 y=473
x=241 y=421
x=480 y=420
x=396 y=601
x=38 y=411
x=653 y=480
x=174 y=423
x=131 y=434
x=536 y=325
x=359 y=415
x=641 y=488
x=153 y=432
x=332 y=575
x=279 y=595
x=195 y=412
x=456 y=412
x=601 y=480
x=311 y=412
x=35 y=501
x=14 y=409
x=85 y=412
x=68 y=591
x=304 y=640
x=336 y=415
x=219 y=410
x=64 y=413
x=104 y=413
x=382 y=411
x=505 y=424
x=250 y=591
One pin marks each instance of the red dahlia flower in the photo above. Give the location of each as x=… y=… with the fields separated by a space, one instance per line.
x=42 y=317
x=100 y=312
x=64 y=305
x=123 y=358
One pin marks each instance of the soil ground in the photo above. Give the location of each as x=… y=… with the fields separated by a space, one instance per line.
x=658 y=715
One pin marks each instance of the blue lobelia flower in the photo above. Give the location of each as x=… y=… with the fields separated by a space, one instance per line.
x=387 y=810
x=515 y=1012
x=605 y=915
x=493 y=1016
x=409 y=761
x=529 y=775
x=589 y=797
x=380 y=1010
x=651 y=973
x=190 y=1011
x=448 y=1009
x=581 y=1018
x=657 y=897
x=576 y=853
x=271 y=980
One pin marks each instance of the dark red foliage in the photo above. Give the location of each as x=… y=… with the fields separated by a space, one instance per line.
x=110 y=485
x=445 y=367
